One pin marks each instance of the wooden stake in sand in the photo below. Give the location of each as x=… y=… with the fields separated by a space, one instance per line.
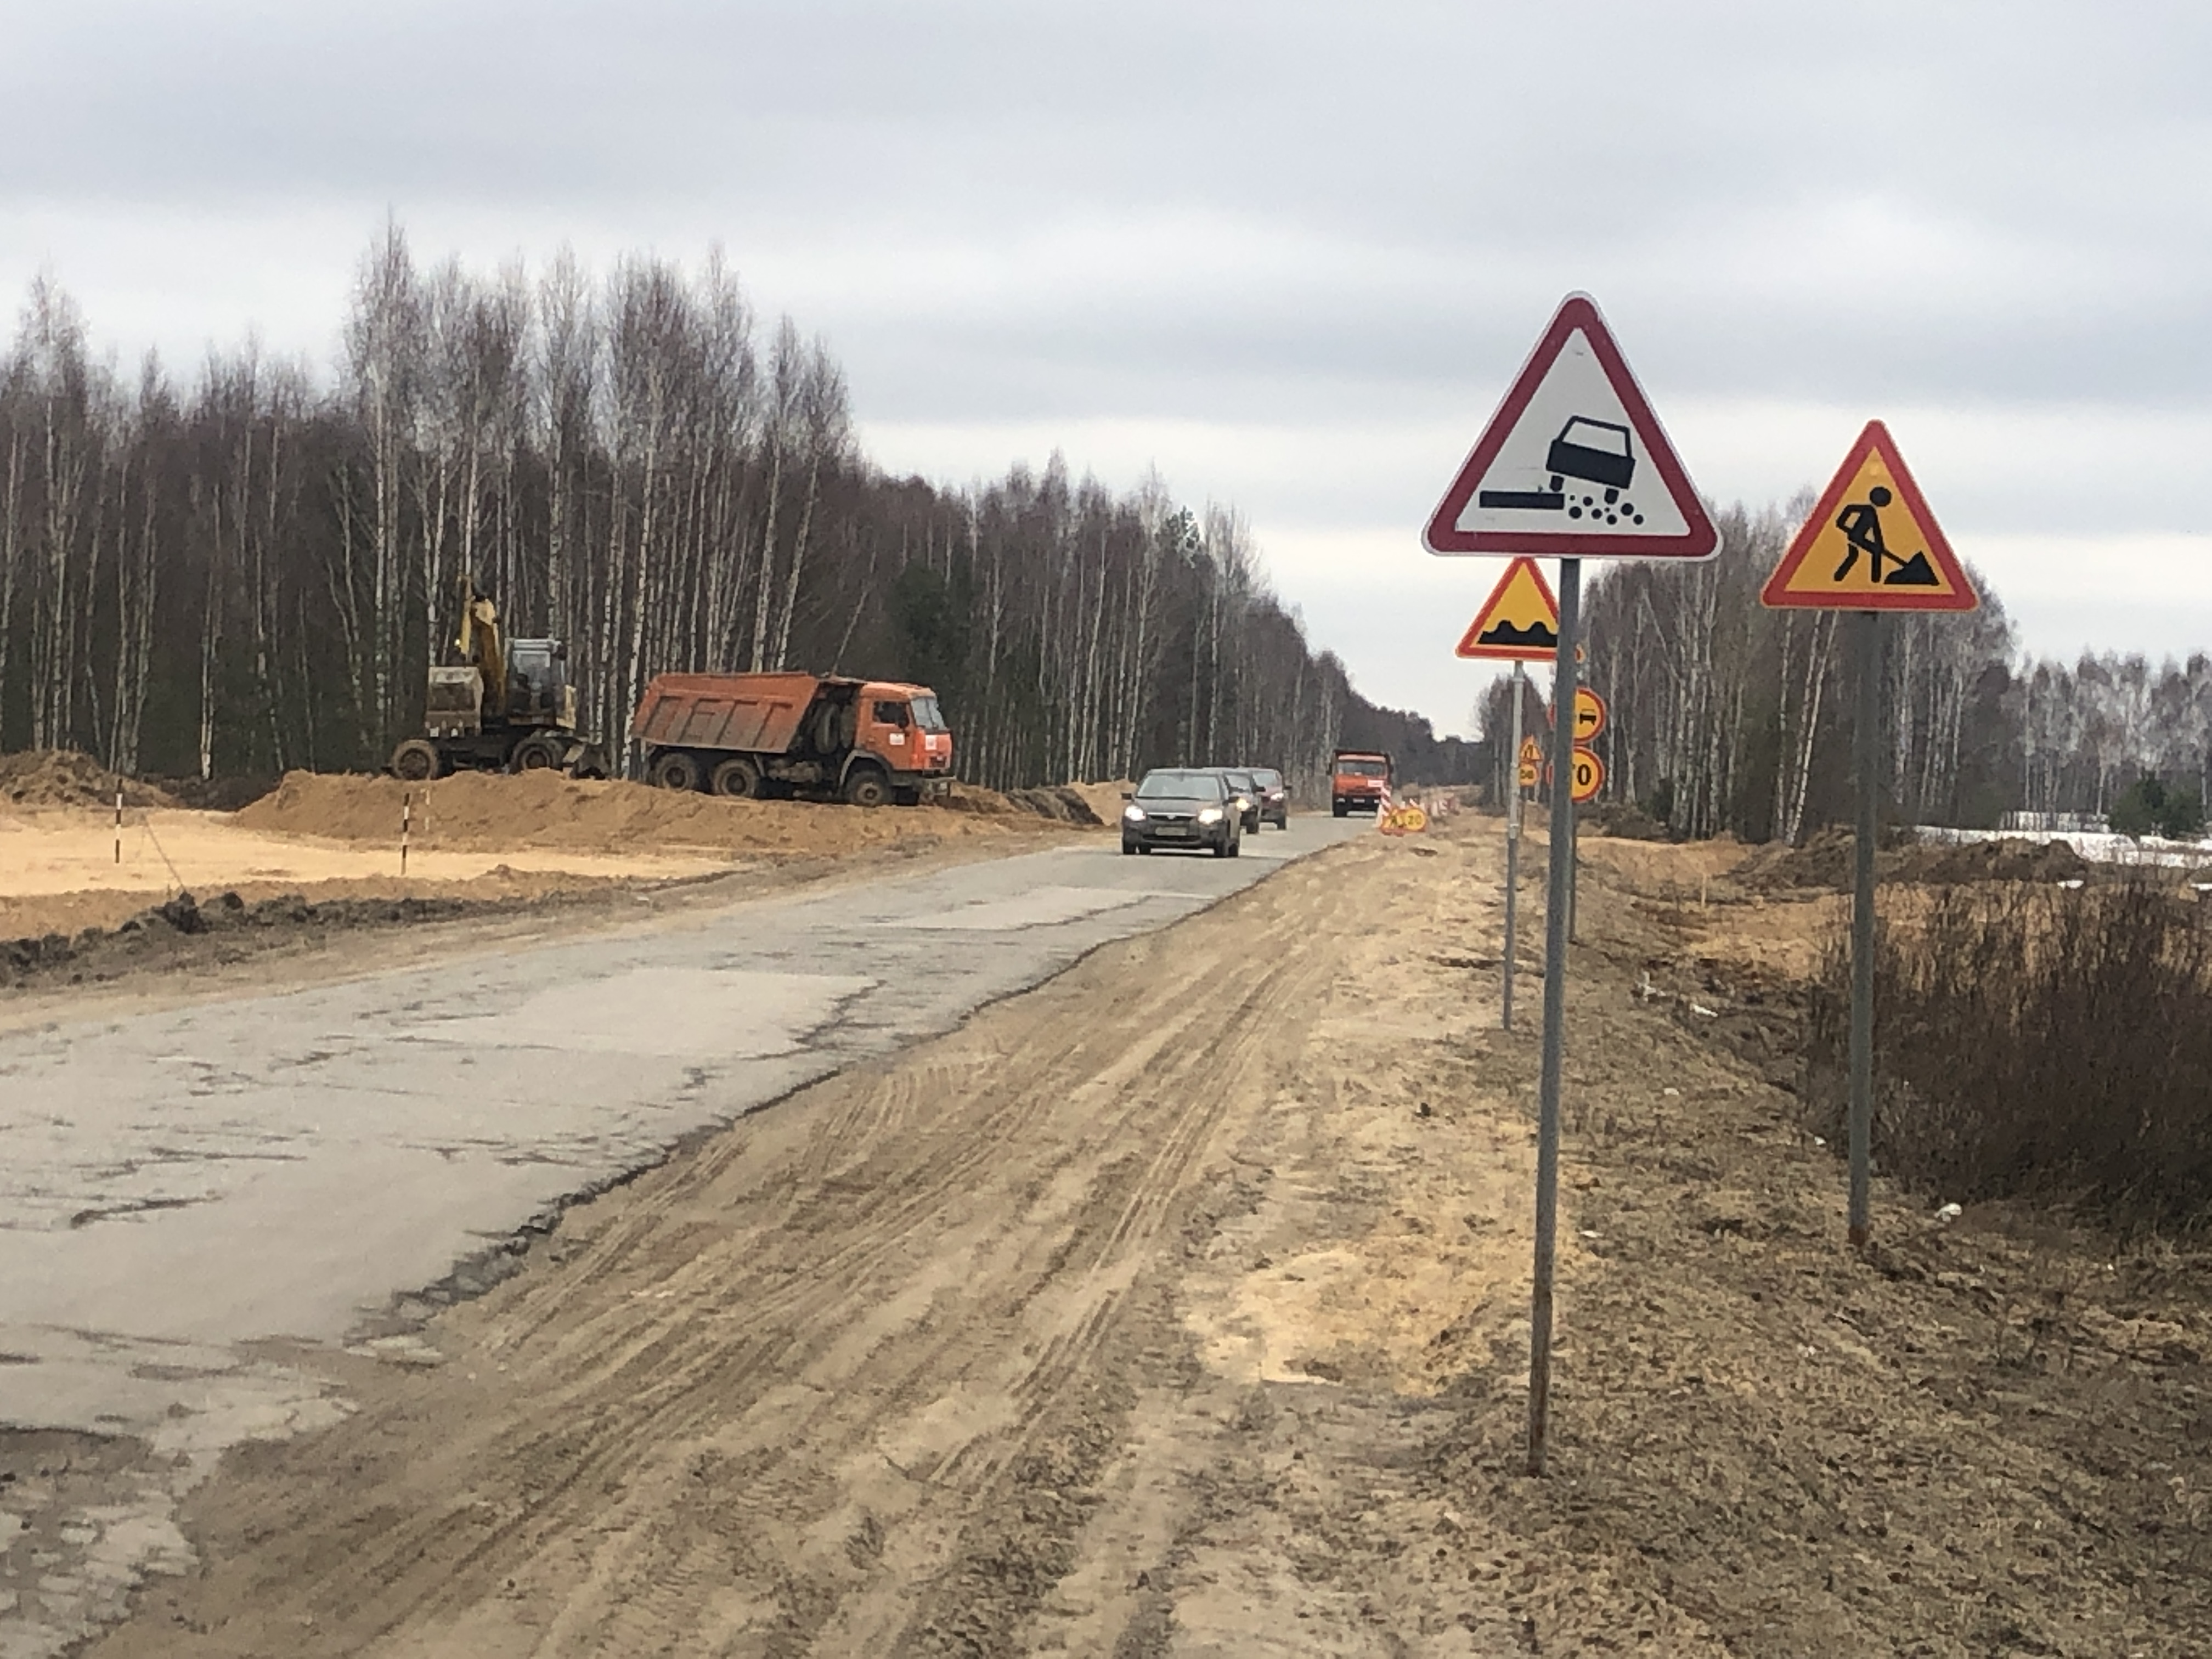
x=119 y=826
x=406 y=813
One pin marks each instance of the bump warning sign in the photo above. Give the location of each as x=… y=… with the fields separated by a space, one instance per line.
x=1520 y=622
x=1871 y=545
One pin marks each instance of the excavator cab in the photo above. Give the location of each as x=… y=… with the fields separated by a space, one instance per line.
x=537 y=690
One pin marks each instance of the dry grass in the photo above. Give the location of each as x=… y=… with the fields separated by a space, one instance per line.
x=2037 y=1043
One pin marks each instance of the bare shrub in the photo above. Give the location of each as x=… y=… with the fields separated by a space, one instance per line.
x=2035 y=1042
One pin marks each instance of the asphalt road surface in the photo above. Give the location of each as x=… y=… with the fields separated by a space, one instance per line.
x=184 y=1192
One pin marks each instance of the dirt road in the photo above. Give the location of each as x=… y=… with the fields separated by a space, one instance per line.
x=1176 y=1308
x=188 y=1185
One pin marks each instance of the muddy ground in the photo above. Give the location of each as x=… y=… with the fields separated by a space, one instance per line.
x=1178 y=1307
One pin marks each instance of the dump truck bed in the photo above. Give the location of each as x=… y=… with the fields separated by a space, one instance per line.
x=756 y=714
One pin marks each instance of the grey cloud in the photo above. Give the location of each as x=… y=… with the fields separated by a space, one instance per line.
x=1274 y=212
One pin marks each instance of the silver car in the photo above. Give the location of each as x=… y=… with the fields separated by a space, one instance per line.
x=1184 y=807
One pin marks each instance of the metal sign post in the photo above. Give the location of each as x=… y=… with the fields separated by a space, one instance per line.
x=1869 y=545
x=1862 y=1051
x=1513 y=856
x=1556 y=904
x=1572 y=465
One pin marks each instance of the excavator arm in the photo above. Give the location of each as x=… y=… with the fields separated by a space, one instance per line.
x=482 y=643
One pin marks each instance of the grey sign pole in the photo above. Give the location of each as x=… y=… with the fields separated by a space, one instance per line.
x=1862 y=1053
x=1556 y=901
x=1513 y=853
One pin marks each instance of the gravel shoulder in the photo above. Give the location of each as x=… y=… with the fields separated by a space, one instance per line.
x=1178 y=1307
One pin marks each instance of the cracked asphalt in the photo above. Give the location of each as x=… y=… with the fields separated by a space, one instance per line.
x=185 y=1191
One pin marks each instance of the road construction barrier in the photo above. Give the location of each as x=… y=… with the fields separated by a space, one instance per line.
x=1411 y=819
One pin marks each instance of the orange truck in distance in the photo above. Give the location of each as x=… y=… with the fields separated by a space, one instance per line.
x=1358 y=779
x=867 y=742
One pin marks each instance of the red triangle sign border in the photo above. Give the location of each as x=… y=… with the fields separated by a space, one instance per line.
x=1777 y=595
x=1442 y=534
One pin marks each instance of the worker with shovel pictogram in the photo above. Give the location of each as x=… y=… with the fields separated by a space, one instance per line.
x=1861 y=523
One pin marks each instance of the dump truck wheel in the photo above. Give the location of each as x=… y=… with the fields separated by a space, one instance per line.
x=674 y=770
x=534 y=754
x=866 y=787
x=738 y=778
x=417 y=761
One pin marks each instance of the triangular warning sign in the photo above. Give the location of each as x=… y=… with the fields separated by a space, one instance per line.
x=1871 y=545
x=1519 y=622
x=1574 y=464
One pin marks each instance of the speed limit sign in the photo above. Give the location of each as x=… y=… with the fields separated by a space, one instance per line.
x=1587 y=777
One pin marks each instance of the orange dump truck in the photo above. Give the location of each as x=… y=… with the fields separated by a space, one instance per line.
x=867 y=742
x=1358 y=781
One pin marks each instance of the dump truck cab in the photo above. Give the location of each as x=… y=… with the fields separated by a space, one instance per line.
x=1359 y=781
x=901 y=727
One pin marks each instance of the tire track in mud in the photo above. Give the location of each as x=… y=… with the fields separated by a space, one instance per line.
x=826 y=1385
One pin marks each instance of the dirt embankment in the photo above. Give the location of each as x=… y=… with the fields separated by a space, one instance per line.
x=544 y=810
x=62 y=777
x=318 y=857
x=1826 y=861
x=1179 y=1307
x=181 y=934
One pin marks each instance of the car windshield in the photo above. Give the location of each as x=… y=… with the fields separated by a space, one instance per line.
x=1239 y=780
x=1267 y=780
x=925 y=714
x=1179 y=785
x=1361 y=768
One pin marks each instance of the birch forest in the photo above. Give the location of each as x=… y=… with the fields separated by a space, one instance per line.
x=1725 y=716
x=247 y=569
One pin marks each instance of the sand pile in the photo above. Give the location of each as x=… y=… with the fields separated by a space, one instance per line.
x=1623 y=821
x=1105 y=798
x=1991 y=861
x=1827 y=860
x=1063 y=803
x=981 y=802
x=544 y=809
x=62 y=777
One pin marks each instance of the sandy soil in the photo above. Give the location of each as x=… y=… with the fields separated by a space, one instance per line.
x=479 y=838
x=58 y=850
x=1177 y=1308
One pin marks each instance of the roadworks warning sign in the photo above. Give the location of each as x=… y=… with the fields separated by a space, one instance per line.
x=1519 y=622
x=1871 y=544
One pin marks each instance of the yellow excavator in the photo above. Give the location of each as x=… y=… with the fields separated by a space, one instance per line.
x=506 y=706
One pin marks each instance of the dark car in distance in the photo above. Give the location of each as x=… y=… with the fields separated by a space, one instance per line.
x=1244 y=790
x=1275 y=797
x=1182 y=806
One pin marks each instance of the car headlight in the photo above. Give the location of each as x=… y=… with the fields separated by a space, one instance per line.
x=1133 y=815
x=1211 y=815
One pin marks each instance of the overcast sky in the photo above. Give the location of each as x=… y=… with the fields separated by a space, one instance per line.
x=1289 y=253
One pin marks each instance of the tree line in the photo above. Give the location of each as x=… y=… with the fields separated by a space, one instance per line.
x=1725 y=716
x=251 y=572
